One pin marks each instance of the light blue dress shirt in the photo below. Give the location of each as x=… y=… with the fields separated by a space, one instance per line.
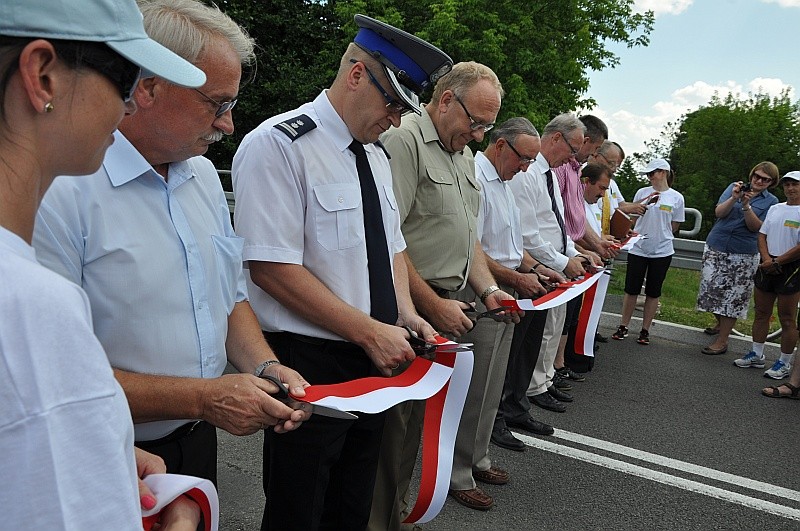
x=158 y=260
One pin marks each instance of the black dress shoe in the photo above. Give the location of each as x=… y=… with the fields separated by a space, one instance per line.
x=533 y=426
x=600 y=339
x=545 y=400
x=505 y=439
x=559 y=395
x=560 y=382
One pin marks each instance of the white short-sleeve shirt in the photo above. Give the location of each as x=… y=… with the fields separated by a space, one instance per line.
x=498 y=216
x=782 y=227
x=66 y=436
x=298 y=201
x=656 y=223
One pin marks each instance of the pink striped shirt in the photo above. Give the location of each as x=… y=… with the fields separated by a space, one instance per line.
x=569 y=180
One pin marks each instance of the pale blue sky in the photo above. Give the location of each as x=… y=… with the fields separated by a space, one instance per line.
x=697 y=47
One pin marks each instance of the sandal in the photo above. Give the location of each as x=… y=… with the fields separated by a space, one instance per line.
x=711 y=331
x=644 y=337
x=621 y=333
x=774 y=392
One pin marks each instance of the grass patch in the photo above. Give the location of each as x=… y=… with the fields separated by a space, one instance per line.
x=679 y=299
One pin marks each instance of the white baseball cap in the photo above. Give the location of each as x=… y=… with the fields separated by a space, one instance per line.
x=794 y=175
x=117 y=23
x=653 y=165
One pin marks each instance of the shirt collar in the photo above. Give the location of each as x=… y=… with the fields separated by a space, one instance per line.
x=486 y=166
x=541 y=163
x=16 y=244
x=331 y=121
x=123 y=163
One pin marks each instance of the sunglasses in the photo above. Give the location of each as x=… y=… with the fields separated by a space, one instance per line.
x=761 y=178
x=122 y=73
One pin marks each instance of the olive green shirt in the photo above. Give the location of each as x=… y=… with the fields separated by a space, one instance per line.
x=437 y=197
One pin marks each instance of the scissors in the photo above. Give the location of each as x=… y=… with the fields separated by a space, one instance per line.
x=423 y=348
x=489 y=314
x=283 y=396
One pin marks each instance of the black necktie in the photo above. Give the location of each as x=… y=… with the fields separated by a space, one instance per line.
x=382 y=299
x=554 y=205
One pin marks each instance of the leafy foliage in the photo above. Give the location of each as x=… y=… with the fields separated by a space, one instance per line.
x=541 y=51
x=721 y=142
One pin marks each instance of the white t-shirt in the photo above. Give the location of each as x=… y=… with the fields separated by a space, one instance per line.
x=66 y=436
x=782 y=227
x=656 y=223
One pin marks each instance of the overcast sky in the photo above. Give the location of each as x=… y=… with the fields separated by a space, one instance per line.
x=697 y=48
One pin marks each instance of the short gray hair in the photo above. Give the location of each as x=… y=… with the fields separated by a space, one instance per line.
x=188 y=26
x=512 y=128
x=565 y=124
x=463 y=77
x=609 y=145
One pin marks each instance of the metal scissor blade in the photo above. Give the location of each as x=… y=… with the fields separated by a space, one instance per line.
x=320 y=410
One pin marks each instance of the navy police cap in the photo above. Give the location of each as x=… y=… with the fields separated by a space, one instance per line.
x=410 y=63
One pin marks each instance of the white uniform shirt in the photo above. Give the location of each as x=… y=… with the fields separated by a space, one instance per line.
x=782 y=227
x=541 y=235
x=498 y=216
x=594 y=217
x=656 y=223
x=158 y=260
x=66 y=437
x=298 y=201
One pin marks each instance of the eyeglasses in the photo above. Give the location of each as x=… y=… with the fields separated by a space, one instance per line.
x=761 y=178
x=522 y=160
x=474 y=124
x=392 y=105
x=222 y=106
x=121 y=72
x=613 y=166
x=572 y=149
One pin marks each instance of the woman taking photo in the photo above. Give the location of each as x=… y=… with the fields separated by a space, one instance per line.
x=651 y=256
x=777 y=279
x=730 y=257
x=66 y=435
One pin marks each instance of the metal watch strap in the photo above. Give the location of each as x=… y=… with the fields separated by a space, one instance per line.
x=488 y=291
x=263 y=366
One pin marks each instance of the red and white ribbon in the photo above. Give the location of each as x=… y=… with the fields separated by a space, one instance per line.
x=628 y=244
x=167 y=487
x=563 y=293
x=444 y=383
x=589 y=317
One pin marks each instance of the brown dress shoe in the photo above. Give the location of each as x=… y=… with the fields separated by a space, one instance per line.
x=492 y=476
x=473 y=498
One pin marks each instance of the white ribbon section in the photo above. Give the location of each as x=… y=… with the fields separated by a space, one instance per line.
x=590 y=316
x=167 y=487
x=560 y=296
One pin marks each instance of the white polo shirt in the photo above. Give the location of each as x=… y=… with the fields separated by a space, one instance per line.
x=498 y=216
x=782 y=227
x=298 y=201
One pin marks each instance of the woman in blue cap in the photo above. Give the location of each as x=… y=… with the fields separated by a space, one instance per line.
x=67 y=71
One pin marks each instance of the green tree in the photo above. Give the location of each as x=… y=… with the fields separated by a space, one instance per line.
x=720 y=142
x=541 y=51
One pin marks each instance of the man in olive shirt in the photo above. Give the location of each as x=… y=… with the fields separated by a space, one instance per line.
x=438 y=198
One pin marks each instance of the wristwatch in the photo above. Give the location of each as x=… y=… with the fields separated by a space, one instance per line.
x=263 y=366
x=488 y=291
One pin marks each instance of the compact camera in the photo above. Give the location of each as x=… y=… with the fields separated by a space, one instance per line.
x=745 y=188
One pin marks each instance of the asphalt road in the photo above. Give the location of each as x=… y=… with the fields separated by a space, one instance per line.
x=658 y=437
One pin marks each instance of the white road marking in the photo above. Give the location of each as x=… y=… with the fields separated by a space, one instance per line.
x=680 y=465
x=661 y=477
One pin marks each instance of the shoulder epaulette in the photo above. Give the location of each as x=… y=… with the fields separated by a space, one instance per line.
x=296 y=127
x=380 y=145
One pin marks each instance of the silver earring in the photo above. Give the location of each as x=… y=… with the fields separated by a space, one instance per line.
x=48 y=107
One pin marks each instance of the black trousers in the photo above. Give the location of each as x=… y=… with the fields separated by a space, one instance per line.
x=321 y=476
x=525 y=343
x=576 y=362
x=189 y=450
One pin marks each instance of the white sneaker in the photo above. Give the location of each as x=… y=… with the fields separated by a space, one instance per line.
x=778 y=371
x=750 y=360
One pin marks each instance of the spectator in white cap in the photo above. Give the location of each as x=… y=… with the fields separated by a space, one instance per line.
x=149 y=238
x=68 y=69
x=328 y=282
x=777 y=281
x=651 y=256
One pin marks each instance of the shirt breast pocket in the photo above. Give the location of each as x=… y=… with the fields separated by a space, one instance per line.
x=228 y=250
x=339 y=222
x=441 y=195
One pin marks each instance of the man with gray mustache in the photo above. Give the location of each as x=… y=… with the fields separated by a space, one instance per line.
x=149 y=238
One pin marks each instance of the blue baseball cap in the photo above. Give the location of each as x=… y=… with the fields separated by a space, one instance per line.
x=410 y=63
x=117 y=23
